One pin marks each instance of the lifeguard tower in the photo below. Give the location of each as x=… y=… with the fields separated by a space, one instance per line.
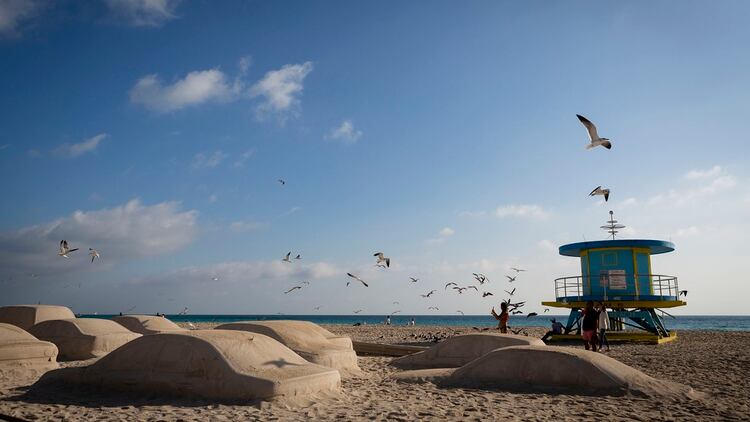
x=617 y=272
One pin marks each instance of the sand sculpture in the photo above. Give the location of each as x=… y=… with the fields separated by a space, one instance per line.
x=22 y=353
x=214 y=364
x=147 y=324
x=460 y=350
x=312 y=342
x=83 y=338
x=552 y=369
x=26 y=316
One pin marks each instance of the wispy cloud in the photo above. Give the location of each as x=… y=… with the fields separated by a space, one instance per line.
x=703 y=174
x=522 y=211
x=691 y=231
x=290 y=211
x=472 y=213
x=208 y=160
x=213 y=198
x=75 y=150
x=246 y=226
x=144 y=12
x=14 y=13
x=280 y=90
x=240 y=162
x=197 y=87
x=706 y=183
x=443 y=234
x=345 y=133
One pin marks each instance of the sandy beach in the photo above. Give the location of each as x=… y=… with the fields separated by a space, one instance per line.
x=717 y=363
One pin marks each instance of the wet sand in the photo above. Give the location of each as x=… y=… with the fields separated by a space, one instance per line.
x=717 y=363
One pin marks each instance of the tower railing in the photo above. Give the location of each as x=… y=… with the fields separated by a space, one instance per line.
x=573 y=287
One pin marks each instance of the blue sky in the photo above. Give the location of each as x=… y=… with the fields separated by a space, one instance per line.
x=443 y=134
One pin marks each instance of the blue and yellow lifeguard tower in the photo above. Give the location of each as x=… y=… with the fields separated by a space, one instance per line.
x=618 y=273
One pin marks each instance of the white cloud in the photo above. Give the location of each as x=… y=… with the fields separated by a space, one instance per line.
x=213 y=198
x=346 y=133
x=245 y=226
x=197 y=87
x=208 y=160
x=547 y=245
x=522 y=211
x=13 y=13
x=691 y=231
x=703 y=174
x=290 y=211
x=244 y=64
x=447 y=231
x=281 y=88
x=628 y=202
x=240 y=162
x=74 y=150
x=444 y=233
x=472 y=213
x=124 y=232
x=144 y=12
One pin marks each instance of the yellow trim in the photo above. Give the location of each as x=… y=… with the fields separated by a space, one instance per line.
x=622 y=337
x=620 y=304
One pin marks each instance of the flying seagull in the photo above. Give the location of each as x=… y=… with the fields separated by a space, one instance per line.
x=65 y=249
x=413 y=280
x=446 y=286
x=546 y=310
x=357 y=311
x=396 y=303
x=518 y=270
x=298 y=257
x=428 y=294
x=481 y=278
x=317 y=308
x=599 y=191
x=460 y=289
x=461 y=312
x=434 y=308
x=293 y=289
x=215 y=278
x=184 y=311
x=511 y=279
x=511 y=292
x=593 y=136
x=93 y=254
x=485 y=294
x=683 y=293
x=382 y=258
x=286 y=258
x=531 y=314
x=282 y=182
x=395 y=312
x=472 y=287
x=357 y=278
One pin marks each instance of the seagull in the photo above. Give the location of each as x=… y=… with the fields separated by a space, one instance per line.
x=298 y=256
x=485 y=294
x=682 y=293
x=382 y=258
x=434 y=308
x=531 y=314
x=192 y=326
x=472 y=287
x=461 y=312
x=396 y=303
x=460 y=289
x=511 y=279
x=282 y=182
x=516 y=312
x=511 y=292
x=428 y=294
x=600 y=191
x=286 y=258
x=546 y=310
x=292 y=289
x=65 y=249
x=93 y=254
x=357 y=311
x=481 y=278
x=518 y=270
x=214 y=278
x=317 y=308
x=184 y=311
x=395 y=312
x=357 y=278
x=413 y=280
x=446 y=286
x=593 y=136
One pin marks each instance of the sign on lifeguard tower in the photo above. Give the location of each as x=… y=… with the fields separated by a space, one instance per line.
x=618 y=273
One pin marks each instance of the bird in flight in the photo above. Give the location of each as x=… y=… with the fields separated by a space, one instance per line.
x=183 y=312
x=357 y=311
x=428 y=294
x=282 y=182
x=293 y=289
x=593 y=135
x=215 y=278
x=472 y=287
x=396 y=303
x=286 y=258
x=356 y=278
x=298 y=256
x=518 y=270
x=395 y=312
x=531 y=314
x=460 y=289
x=481 y=278
x=461 y=312
x=93 y=254
x=382 y=259
x=413 y=280
x=511 y=279
x=65 y=249
x=546 y=310
x=511 y=292
x=448 y=284
x=682 y=293
x=317 y=308
x=434 y=308
x=485 y=294
x=599 y=191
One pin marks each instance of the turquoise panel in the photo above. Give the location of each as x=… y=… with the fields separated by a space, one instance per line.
x=644 y=278
x=612 y=273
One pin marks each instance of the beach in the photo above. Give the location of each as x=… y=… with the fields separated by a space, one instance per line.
x=716 y=363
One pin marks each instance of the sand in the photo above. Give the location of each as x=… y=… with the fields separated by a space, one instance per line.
x=717 y=363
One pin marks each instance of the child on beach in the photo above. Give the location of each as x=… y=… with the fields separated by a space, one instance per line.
x=502 y=325
x=589 y=326
x=603 y=327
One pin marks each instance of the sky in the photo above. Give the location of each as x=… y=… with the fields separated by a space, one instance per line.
x=443 y=134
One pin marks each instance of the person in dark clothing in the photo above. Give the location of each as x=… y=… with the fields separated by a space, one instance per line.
x=589 y=326
x=557 y=328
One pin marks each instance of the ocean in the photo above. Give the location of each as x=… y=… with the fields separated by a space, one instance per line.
x=686 y=322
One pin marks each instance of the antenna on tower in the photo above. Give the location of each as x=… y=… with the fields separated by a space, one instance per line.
x=612 y=227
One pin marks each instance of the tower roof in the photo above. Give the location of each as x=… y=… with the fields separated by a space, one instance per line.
x=654 y=246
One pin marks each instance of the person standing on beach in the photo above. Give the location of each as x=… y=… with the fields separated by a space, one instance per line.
x=589 y=326
x=388 y=320
x=502 y=325
x=603 y=327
